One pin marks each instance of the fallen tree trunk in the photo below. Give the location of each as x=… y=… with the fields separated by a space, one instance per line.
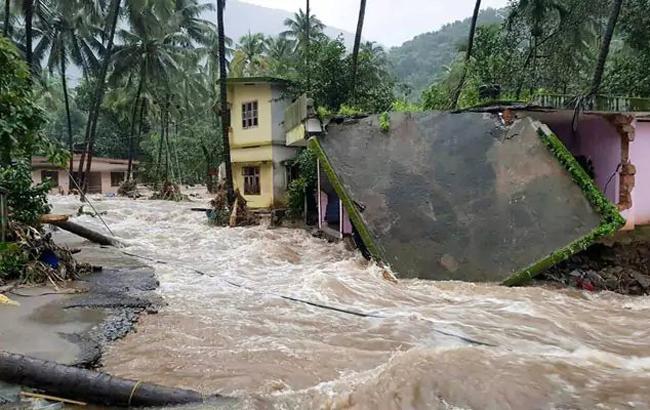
x=87 y=233
x=89 y=386
x=53 y=218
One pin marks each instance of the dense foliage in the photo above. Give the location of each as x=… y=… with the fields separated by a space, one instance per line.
x=426 y=57
x=531 y=47
x=20 y=117
x=20 y=136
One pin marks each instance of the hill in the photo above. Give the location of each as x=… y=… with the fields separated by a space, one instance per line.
x=240 y=18
x=418 y=62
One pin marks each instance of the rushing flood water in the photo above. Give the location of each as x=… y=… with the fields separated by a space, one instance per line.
x=541 y=348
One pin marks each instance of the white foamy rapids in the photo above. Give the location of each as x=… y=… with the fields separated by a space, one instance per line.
x=538 y=348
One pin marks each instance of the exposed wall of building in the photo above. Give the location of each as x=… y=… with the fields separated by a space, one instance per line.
x=239 y=94
x=107 y=187
x=596 y=139
x=281 y=154
x=278 y=105
x=63 y=181
x=640 y=157
x=265 y=199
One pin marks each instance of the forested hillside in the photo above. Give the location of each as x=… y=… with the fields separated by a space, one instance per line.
x=419 y=61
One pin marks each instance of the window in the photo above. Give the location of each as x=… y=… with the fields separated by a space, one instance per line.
x=251 y=180
x=52 y=176
x=117 y=178
x=249 y=114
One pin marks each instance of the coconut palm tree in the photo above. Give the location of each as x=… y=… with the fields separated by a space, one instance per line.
x=544 y=18
x=604 y=49
x=280 y=52
x=249 y=58
x=223 y=106
x=151 y=52
x=357 y=44
x=188 y=13
x=63 y=38
x=468 y=55
x=210 y=51
x=302 y=28
x=93 y=115
x=29 y=9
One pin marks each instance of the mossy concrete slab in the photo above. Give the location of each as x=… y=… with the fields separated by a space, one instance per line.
x=460 y=196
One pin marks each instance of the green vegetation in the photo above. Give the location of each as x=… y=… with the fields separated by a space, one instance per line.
x=530 y=48
x=384 y=122
x=305 y=184
x=21 y=137
x=428 y=57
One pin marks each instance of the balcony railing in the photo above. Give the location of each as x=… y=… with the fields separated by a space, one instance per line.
x=597 y=103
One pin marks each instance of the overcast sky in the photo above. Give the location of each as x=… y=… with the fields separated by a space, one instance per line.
x=390 y=22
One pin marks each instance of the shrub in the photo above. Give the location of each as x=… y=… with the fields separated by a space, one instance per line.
x=12 y=260
x=296 y=197
x=20 y=118
x=26 y=203
x=384 y=122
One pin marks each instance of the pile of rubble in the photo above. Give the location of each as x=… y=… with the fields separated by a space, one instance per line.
x=620 y=267
x=32 y=257
x=225 y=214
x=170 y=192
x=129 y=189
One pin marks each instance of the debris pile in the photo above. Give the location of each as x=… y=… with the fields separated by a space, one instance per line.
x=235 y=214
x=32 y=257
x=129 y=189
x=170 y=192
x=621 y=268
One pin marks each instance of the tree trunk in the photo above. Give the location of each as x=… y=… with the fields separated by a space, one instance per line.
x=355 y=50
x=5 y=29
x=143 y=107
x=307 y=46
x=67 y=110
x=604 y=49
x=133 y=119
x=93 y=115
x=86 y=233
x=225 y=111
x=28 y=9
x=468 y=55
x=90 y=386
x=160 y=145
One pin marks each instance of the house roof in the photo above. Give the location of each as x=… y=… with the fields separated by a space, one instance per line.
x=256 y=80
x=98 y=163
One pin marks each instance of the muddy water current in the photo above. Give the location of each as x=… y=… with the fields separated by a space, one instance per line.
x=440 y=345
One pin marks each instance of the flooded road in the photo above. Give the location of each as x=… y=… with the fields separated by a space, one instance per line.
x=228 y=331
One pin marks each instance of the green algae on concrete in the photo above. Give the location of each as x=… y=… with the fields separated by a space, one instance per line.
x=353 y=211
x=462 y=197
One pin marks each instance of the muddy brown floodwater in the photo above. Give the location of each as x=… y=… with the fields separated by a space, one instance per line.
x=228 y=331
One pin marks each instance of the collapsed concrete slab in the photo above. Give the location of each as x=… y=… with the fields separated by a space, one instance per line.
x=461 y=196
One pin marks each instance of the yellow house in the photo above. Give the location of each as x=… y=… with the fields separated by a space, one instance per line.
x=258 y=147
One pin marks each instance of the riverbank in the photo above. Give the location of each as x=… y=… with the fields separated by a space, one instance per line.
x=73 y=323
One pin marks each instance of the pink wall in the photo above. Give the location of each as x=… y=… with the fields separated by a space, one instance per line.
x=640 y=157
x=596 y=138
x=346 y=224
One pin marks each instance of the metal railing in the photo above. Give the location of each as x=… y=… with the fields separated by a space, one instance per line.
x=596 y=103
